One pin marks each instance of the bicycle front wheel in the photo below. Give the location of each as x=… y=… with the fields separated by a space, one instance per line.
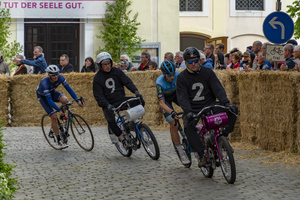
x=48 y=132
x=149 y=142
x=227 y=161
x=81 y=132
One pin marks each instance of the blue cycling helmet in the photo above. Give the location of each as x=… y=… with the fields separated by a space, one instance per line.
x=167 y=67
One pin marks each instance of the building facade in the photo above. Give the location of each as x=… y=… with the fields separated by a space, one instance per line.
x=72 y=26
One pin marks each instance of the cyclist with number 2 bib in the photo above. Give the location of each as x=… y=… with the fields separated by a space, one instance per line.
x=47 y=95
x=108 y=89
x=166 y=93
x=197 y=87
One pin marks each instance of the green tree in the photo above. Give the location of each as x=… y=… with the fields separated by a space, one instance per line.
x=8 y=50
x=294 y=12
x=119 y=31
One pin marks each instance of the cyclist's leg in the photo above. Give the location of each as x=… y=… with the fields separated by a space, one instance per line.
x=192 y=136
x=43 y=101
x=173 y=129
x=110 y=118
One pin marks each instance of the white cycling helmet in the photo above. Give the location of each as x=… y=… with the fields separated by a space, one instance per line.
x=103 y=57
x=52 y=70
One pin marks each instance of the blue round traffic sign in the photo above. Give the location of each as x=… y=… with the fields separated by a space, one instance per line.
x=278 y=27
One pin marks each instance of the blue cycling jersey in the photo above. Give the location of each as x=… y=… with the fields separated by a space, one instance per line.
x=166 y=90
x=46 y=88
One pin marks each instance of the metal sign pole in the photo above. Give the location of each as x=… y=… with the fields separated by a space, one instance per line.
x=278 y=5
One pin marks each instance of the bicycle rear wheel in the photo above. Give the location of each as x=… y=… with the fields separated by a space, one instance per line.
x=227 y=161
x=81 y=132
x=149 y=141
x=184 y=145
x=48 y=132
x=119 y=146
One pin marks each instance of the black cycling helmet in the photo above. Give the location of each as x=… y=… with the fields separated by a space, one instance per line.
x=190 y=53
x=167 y=67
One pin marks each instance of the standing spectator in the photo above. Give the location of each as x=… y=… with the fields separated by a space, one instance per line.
x=231 y=52
x=39 y=63
x=236 y=58
x=249 y=49
x=256 y=48
x=124 y=66
x=89 y=65
x=288 y=55
x=245 y=61
x=126 y=57
x=152 y=65
x=145 y=57
x=21 y=69
x=179 y=60
x=4 y=69
x=296 y=54
x=227 y=59
x=169 y=56
x=208 y=51
x=64 y=65
x=220 y=48
x=219 y=58
x=205 y=62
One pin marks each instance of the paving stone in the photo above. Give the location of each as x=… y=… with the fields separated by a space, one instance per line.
x=103 y=173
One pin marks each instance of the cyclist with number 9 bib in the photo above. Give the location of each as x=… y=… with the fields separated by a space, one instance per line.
x=166 y=93
x=197 y=87
x=108 y=89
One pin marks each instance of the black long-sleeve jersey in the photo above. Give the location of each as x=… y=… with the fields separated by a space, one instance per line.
x=108 y=87
x=197 y=90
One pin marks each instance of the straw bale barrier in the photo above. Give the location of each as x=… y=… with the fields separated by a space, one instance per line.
x=228 y=79
x=4 y=84
x=268 y=109
x=268 y=103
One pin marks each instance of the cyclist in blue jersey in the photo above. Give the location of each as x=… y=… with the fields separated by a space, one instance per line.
x=47 y=95
x=166 y=93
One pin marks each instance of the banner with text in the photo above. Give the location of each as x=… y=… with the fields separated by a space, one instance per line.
x=56 y=8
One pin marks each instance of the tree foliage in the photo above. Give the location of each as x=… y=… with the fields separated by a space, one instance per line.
x=119 y=31
x=8 y=50
x=294 y=12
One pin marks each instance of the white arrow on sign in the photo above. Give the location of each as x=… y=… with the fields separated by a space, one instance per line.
x=272 y=22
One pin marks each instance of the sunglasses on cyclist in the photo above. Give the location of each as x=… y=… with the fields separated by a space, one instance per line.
x=193 y=61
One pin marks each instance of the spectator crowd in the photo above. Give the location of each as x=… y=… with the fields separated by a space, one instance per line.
x=213 y=57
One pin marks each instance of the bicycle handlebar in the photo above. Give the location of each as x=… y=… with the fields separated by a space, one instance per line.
x=117 y=109
x=70 y=103
x=200 y=113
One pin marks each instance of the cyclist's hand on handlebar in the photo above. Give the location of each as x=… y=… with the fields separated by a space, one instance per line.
x=139 y=95
x=174 y=114
x=61 y=113
x=110 y=108
x=231 y=107
x=80 y=104
x=189 y=116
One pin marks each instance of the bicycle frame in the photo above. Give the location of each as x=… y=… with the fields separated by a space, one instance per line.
x=181 y=130
x=121 y=119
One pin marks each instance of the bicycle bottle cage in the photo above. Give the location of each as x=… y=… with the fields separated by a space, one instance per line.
x=216 y=121
x=134 y=113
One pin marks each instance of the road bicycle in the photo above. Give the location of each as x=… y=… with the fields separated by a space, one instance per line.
x=184 y=142
x=79 y=127
x=217 y=149
x=133 y=130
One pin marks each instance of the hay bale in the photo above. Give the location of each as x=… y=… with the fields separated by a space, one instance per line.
x=4 y=85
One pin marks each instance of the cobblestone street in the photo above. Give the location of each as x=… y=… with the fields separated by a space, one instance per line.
x=103 y=173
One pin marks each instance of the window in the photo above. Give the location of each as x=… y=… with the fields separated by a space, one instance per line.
x=190 y=5
x=249 y=5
